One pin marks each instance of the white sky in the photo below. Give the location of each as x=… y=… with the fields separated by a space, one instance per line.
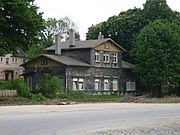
x=87 y=12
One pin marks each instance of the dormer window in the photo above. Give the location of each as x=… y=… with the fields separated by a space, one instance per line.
x=97 y=58
x=115 y=57
x=44 y=61
x=106 y=45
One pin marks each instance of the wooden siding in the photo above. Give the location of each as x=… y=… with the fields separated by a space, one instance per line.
x=112 y=47
x=38 y=63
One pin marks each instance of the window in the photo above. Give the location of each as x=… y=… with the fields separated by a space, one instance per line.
x=78 y=84
x=97 y=58
x=115 y=57
x=130 y=85
x=24 y=60
x=1 y=59
x=7 y=60
x=81 y=86
x=44 y=61
x=14 y=60
x=1 y=72
x=106 y=84
x=106 y=45
x=96 y=83
x=115 y=84
x=75 y=84
x=106 y=57
x=29 y=82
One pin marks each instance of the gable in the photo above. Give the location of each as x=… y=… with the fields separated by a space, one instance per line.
x=108 y=46
x=41 y=62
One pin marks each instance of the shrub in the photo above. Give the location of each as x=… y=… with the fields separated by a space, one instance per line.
x=37 y=97
x=49 y=85
x=22 y=88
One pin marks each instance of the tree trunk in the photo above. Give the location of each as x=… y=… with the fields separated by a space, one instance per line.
x=159 y=90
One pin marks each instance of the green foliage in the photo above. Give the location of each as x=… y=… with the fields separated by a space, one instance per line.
x=49 y=85
x=20 y=24
x=35 y=51
x=127 y=25
x=47 y=36
x=86 y=97
x=156 y=54
x=37 y=97
x=22 y=88
x=157 y=9
x=19 y=85
x=53 y=27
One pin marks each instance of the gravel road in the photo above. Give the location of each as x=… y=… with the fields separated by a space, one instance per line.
x=170 y=127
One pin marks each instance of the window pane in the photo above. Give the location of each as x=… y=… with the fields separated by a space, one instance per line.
x=75 y=83
x=106 y=84
x=115 y=84
x=127 y=85
x=132 y=85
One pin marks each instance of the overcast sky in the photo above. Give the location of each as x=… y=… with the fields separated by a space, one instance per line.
x=87 y=12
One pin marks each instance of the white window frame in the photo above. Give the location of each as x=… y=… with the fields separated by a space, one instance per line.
x=115 y=84
x=75 y=84
x=115 y=57
x=1 y=72
x=81 y=84
x=106 y=84
x=97 y=56
x=1 y=59
x=7 y=60
x=97 y=84
x=14 y=60
x=130 y=85
x=106 y=57
x=78 y=84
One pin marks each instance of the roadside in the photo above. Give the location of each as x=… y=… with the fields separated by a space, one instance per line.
x=17 y=100
x=165 y=127
x=26 y=109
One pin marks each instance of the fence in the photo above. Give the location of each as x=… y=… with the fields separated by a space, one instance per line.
x=7 y=93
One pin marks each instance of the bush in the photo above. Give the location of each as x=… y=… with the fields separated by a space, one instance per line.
x=19 y=85
x=22 y=88
x=37 y=97
x=49 y=85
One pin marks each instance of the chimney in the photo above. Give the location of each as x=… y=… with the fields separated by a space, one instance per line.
x=100 y=36
x=72 y=38
x=58 y=44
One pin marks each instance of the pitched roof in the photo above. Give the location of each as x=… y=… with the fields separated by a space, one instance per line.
x=84 y=44
x=126 y=65
x=69 y=61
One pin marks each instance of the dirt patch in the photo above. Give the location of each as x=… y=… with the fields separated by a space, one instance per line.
x=16 y=100
x=145 y=99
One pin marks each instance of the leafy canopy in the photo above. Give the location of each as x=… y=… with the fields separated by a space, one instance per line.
x=125 y=26
x=156 y=54
x=47 y=36
x=20 y=23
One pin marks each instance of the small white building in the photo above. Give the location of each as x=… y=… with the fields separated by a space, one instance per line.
x=9 y=66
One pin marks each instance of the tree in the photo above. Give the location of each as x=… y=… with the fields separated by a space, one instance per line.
x=157 y=9
x=47 y=36
x=124 y=27
x=20 y=23
x=54 y=26
x=49 y=85
x=156 y=54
